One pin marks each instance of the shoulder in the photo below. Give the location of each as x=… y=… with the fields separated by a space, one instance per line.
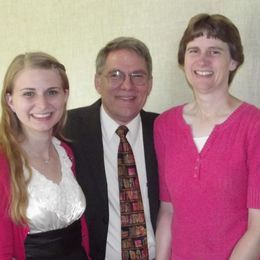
x=147 y=119
x=68 y=152
x=250 y=109
x=82 y=120
x=4 y=167
x=3 y=158
x=248 y=115
x=4 y=181
x=66 y=147
x=87 y=110
x=148 y=116
x=169 y=115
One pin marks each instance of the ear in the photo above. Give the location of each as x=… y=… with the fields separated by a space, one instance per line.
x=9 y=101
x=150 y=85
x=98 y=83
x=232 y=65
x=66 y=92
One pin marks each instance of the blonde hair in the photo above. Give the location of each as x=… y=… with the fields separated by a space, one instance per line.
x=10 y=129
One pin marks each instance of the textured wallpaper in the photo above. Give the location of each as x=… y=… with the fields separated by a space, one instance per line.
x=74 y=31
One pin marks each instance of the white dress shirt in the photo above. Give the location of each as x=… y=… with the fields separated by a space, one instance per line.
x=110 y=145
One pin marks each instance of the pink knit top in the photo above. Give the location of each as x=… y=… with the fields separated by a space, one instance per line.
x=210 y=191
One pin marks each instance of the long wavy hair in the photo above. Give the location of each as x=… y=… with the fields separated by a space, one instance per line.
x=11 y=130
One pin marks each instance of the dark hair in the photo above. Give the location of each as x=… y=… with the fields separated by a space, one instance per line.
x=213 y=26
x=128 y=43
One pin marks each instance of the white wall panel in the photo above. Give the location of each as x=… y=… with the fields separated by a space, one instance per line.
x=74 y=31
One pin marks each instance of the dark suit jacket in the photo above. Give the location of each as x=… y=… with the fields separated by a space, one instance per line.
x=83 y=128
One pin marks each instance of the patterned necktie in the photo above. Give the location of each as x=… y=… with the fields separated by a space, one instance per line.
x=133 y=227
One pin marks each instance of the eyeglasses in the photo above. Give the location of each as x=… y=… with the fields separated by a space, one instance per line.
x=117 y=77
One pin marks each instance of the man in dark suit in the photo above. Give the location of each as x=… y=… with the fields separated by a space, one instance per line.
x=123 y=80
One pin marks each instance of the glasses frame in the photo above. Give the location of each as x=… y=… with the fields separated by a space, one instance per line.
x=117 y=77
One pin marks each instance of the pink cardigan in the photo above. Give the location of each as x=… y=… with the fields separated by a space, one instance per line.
x=210 y=190
x=12 y=236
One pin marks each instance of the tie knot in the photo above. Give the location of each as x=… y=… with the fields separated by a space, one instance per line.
x=121 y=131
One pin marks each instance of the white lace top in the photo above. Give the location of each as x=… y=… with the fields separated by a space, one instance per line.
x=54 y=206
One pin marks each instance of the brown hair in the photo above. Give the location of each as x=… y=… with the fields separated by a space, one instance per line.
x=213 y=26
x=10 y=128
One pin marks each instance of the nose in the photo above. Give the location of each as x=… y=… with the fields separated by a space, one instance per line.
x=42 y=102
x=204 y=58
x=127 y=83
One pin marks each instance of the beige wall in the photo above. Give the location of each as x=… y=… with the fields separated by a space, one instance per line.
x=74 y=31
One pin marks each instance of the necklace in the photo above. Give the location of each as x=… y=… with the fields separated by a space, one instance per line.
x=39 y=157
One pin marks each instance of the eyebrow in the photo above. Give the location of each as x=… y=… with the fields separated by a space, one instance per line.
x=216 y=48
x=23 y=89
x=141 y=71
x=33 y=89
x=211 y=47
x=192 y=47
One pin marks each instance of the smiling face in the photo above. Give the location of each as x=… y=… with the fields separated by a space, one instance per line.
x=207 y=64
x=38 y=99
x=123 y=101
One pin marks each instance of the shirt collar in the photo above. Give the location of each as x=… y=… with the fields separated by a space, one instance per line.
x=109 y=126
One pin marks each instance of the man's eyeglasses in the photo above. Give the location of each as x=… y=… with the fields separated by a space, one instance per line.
x=117 y=77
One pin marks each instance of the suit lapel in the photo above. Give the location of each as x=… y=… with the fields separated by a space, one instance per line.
x=94 y=149
x=148 y=144
x=151 y=164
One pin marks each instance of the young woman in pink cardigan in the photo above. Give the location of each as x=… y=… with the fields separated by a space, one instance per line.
x=41 y=203
x=209 y=154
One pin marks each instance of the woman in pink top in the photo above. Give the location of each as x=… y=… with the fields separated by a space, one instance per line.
x=41 y=203
x=209 y=154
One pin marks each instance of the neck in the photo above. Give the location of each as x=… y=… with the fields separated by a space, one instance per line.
x=36 y=147
x=208 y=106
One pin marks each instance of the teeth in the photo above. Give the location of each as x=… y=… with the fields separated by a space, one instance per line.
x=203 y=73
x=126 y=98
x=42 y=115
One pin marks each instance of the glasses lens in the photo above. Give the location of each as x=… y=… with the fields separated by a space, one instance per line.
x=139 y=78
x=116 y=77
